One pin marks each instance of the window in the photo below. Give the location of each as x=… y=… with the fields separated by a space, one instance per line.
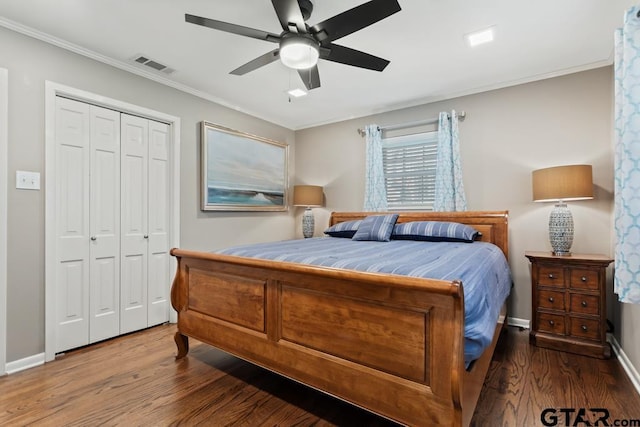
x=409 y=164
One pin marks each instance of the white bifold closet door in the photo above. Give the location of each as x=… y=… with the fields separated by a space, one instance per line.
x=159 y=277
x=87 y=223
x=112 y=223
x=145 y=223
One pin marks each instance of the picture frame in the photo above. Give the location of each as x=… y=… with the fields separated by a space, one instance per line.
x=242 y=172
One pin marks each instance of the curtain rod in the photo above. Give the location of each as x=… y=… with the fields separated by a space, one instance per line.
x=461 y=115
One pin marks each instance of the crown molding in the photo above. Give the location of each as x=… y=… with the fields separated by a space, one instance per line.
x=130 y=68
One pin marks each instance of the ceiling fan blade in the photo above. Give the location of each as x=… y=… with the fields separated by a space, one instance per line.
x=356 y=58
x=232 y=28
x=289 y=14
x=310 y=77
x=260 y=61
x=354 y=19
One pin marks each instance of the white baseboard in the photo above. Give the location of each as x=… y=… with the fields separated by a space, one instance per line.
x=521 y=323
x=628 y=367
x=26 y=363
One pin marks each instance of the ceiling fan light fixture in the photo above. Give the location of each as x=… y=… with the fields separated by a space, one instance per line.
x=299 y=52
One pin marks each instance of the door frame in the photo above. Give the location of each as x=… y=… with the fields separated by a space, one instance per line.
x=4 y=203
x=52 y=90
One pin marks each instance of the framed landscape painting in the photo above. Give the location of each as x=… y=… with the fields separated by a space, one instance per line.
x=242 y=172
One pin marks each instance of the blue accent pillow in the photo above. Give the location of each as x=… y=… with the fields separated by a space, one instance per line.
x=343 y=229
x=435 y=231
x=376 y=227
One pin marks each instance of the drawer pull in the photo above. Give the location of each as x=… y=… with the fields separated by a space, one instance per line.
x=583 y=303
x=551 y=299
x=551 y=322
x=551 y=276
x=583 y=278
x=584 y=328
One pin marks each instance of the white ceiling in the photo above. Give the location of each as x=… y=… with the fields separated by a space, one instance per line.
x=424 y=42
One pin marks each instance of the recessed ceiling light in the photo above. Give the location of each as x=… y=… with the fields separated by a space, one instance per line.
x=297 y=92
x=480 y=37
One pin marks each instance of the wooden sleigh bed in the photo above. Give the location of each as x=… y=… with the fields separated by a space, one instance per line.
x=285 y=317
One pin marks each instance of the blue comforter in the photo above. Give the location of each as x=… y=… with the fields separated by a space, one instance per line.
x=480 y=266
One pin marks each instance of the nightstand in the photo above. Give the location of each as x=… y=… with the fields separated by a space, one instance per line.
x=569 y=307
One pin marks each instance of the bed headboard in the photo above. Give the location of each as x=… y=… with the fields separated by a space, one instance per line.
x=492 y=224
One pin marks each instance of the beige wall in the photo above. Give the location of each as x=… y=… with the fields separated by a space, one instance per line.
x=30 y=63
x=507 y=134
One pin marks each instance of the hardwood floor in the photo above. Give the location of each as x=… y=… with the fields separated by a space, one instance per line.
x=524 y=380
x=134 y=380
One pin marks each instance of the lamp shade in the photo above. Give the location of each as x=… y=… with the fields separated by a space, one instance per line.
x=574 y=182
x=307 y=195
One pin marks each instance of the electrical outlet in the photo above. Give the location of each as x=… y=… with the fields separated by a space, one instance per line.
x=27 y=180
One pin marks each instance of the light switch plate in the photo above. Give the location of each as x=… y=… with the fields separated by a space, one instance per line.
x=27 y=180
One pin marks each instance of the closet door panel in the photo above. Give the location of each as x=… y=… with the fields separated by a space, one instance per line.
x=134 y=226
x=105 y=224
x=158 y=289
x=159 y=280
x=133 y=293
x=72 y=224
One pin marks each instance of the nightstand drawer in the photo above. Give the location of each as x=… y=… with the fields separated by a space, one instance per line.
x=584 y=328
x=552 y=323
x=584 y=279
x=549 y=275
x=551 y=299
x=585 y=304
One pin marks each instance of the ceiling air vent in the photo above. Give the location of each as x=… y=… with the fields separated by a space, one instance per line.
x=140 y=59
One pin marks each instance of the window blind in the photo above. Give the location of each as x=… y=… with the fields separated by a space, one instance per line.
x=409 y=164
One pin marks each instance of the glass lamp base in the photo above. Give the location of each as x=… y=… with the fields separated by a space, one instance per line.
x=561 y=230
x=308 y=223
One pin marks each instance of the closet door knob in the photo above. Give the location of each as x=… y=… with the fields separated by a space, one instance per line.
x=146 y=236
x=94 y=238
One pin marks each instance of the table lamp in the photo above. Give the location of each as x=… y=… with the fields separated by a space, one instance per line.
x=308 y=196
x=561 y=184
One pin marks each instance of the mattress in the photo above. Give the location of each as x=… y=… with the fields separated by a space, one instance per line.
x=481 y=267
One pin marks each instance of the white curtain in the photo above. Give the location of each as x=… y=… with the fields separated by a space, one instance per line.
x=375 y=192
x=627 y=159
x=449 y=191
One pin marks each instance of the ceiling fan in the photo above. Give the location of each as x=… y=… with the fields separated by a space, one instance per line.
x=300 y=45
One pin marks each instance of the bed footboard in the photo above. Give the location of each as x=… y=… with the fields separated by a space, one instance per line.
x=390 y=344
